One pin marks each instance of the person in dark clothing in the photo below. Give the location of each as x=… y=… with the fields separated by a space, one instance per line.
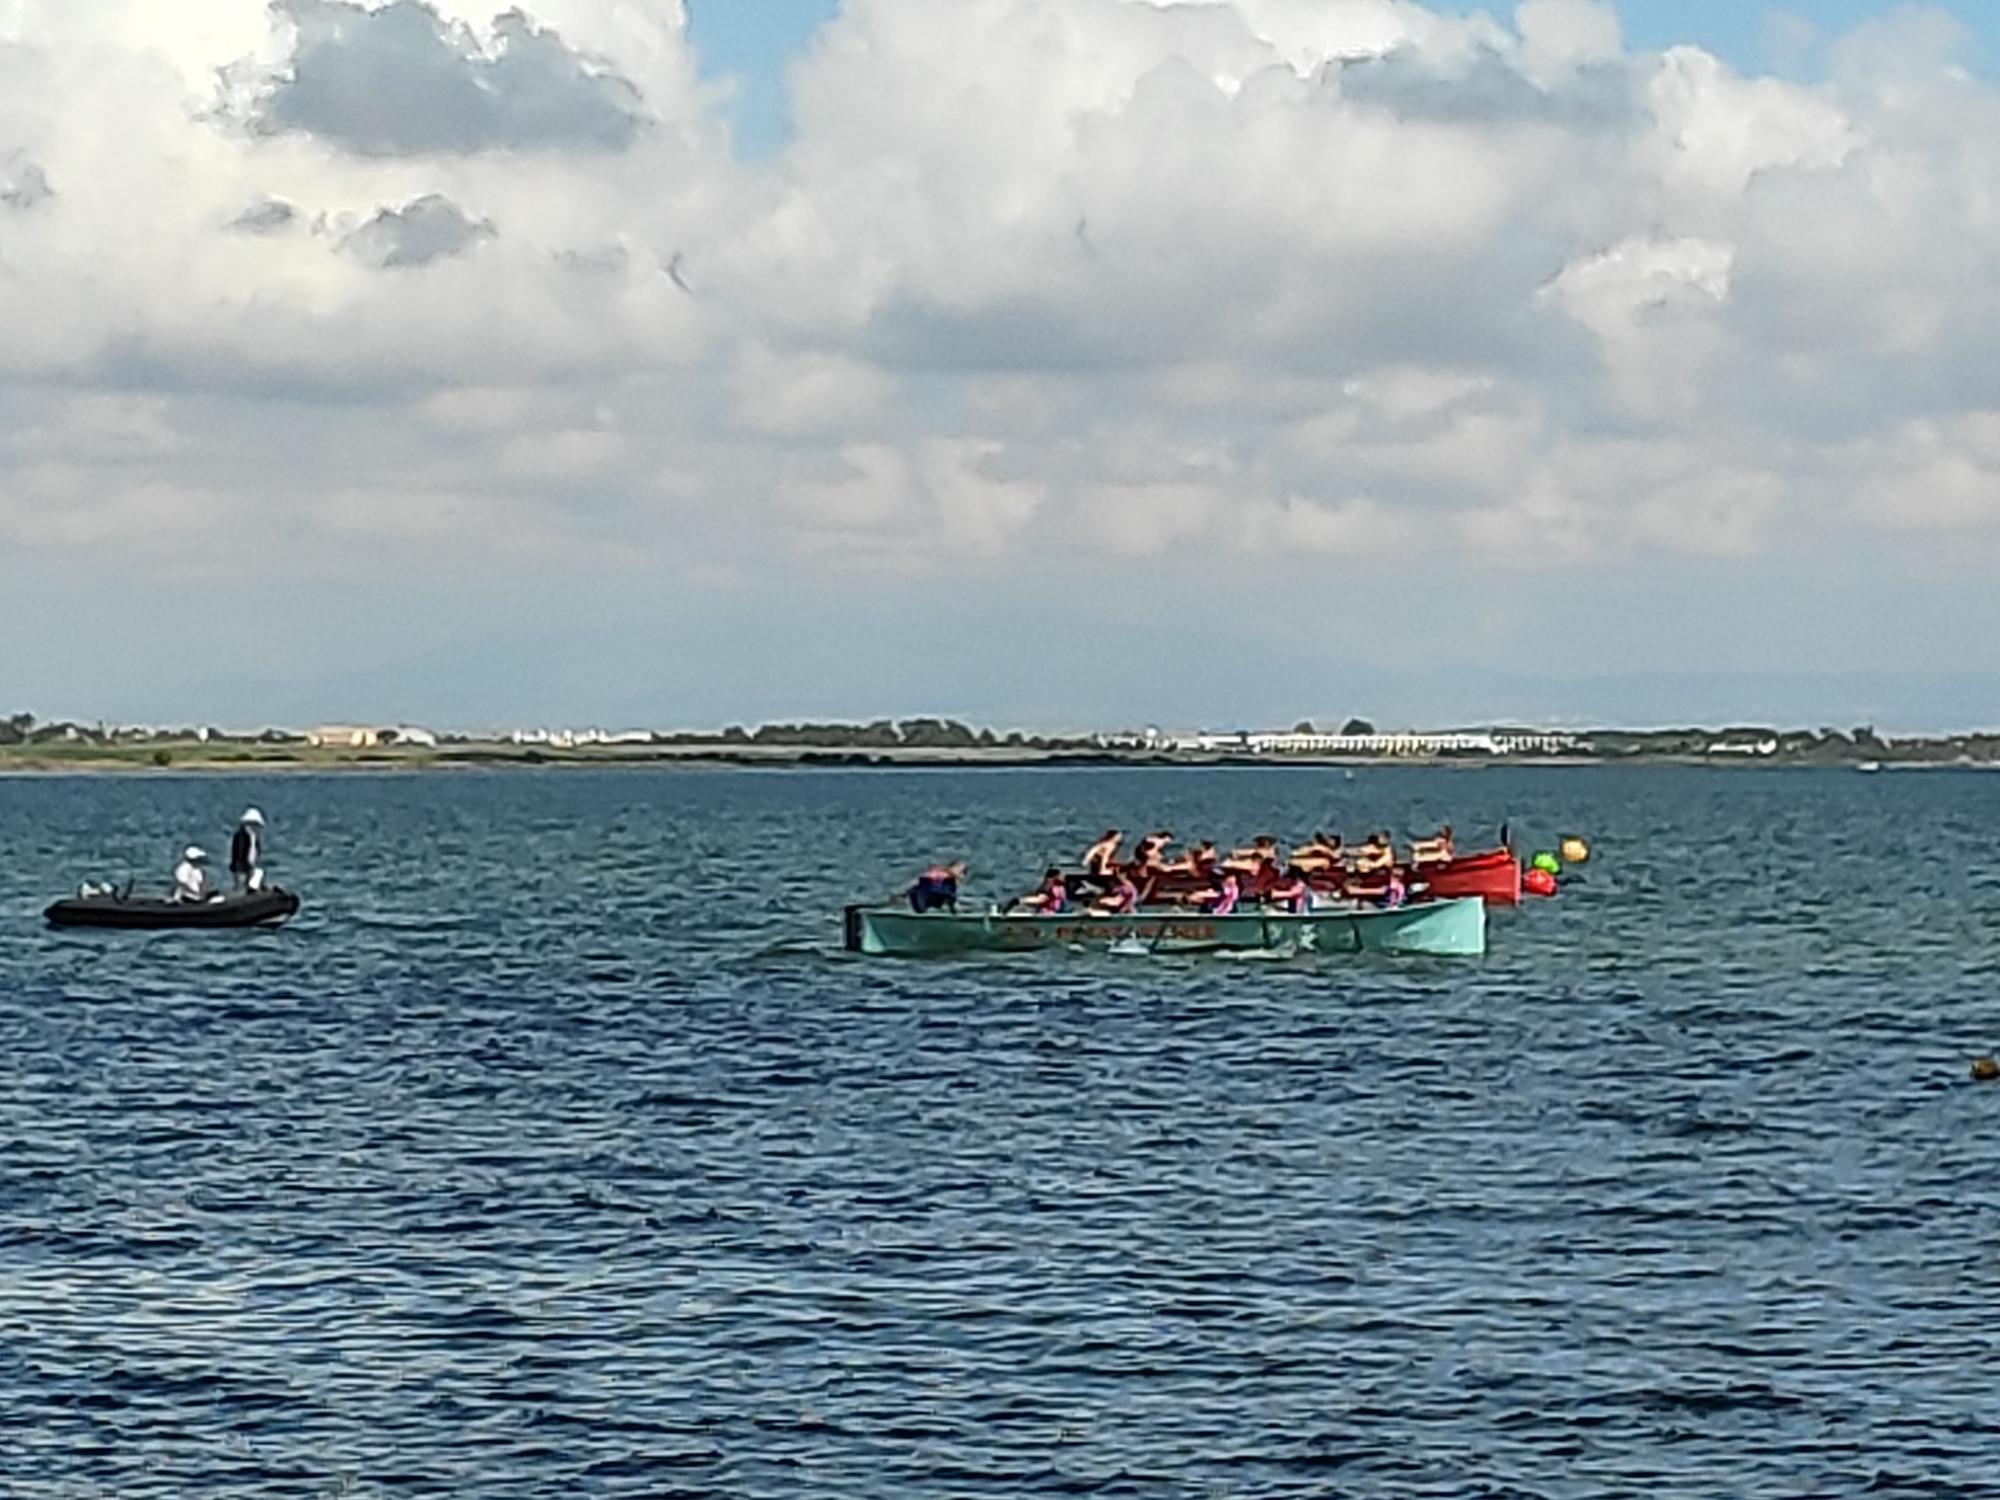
x=245 y=851
x=937 y=888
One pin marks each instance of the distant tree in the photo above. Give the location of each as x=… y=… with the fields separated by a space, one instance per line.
x=1357 y=726
x=163 y=757
x=791 y=734
x=988 y=738
x=735 y=734
x=1304 y=726
x=16 y=728
x=935 y=734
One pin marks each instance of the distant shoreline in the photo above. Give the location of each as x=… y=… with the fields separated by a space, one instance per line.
x=196 y=758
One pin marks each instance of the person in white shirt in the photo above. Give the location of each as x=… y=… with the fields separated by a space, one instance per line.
x=190 y=879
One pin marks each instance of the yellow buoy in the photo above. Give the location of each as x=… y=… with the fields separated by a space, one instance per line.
x=1985 y=1069
x=1575 y=851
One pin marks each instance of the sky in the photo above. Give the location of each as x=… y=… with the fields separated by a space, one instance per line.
x=1055 y=363
x=751 y=44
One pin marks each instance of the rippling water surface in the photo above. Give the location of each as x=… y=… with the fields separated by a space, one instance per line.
x=557 y=1151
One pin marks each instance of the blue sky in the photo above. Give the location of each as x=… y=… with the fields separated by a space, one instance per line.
x=750 y=42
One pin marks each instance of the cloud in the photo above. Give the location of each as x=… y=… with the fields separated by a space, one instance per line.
x=427 y=229
x=266 y=216
x=401 y=79
x=23 y=186
x=1489 y=87
x=1256 y=283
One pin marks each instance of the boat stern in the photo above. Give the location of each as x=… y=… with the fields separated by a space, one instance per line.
x=1454 y=928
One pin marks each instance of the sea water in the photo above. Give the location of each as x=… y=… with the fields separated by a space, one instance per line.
x=556 y=1150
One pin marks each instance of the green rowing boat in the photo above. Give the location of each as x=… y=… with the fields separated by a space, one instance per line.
x=1446 y=928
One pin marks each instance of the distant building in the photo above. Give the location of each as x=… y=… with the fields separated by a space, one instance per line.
x=1128 y=739
x=1743 y=747
x=1406 y=743
x=369 y=736
x=344 y=737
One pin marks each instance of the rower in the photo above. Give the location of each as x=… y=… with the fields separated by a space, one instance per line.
x=1264 y=878
x=1245 y=861
x=1221 y=900
x=1051 y=896
x=1100 y=860
x=1436 y=850
x=1150 y=857
x=1374 y=855
x=190 y=879
x=937 y=888
x=1198 y=862
x=1121 y=898
x=1149 y=865
x=1293 y=892
x=1319 y=854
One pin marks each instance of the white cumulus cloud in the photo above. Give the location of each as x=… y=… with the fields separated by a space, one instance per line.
x=1036 y=279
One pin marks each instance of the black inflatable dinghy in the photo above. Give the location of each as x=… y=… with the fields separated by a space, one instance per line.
x=266 y=908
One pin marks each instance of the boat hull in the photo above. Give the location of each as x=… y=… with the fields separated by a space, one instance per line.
x=267 y=908
x=1453 y=929
x=1493 y=875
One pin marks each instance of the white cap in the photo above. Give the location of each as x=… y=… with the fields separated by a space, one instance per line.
x=253 y=816
x=194 y=852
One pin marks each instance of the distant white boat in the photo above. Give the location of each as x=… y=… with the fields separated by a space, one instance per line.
x=1869 y=766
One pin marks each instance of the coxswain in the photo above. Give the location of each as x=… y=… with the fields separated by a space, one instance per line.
x=190 y=879
x=937 y=888
x=1121 y=898
x=1051 y=896
x=246 y=872
x=1293 y=891
x=1435 y=850
x=1100 y=861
